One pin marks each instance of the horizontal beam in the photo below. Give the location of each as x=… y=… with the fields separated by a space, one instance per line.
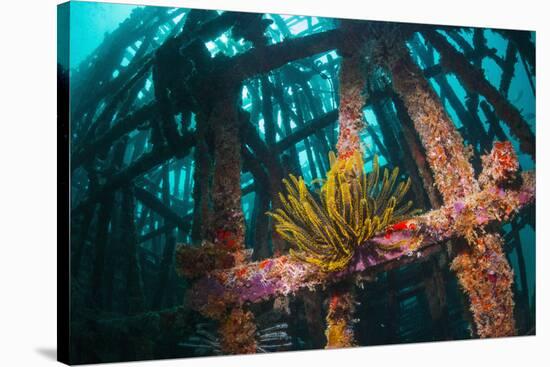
x=145 y=163
x=266 y=58
x=259 y=281
x=119 y=129
x=310 y=128
x=157 y=232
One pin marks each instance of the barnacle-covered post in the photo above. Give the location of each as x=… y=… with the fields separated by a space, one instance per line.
x=481 y=267
x=352 y=100
x=226 y=230
x=223 y=246
x=238 y=332
x=201 y=194
x=352 y=78
x=227 y=220
x=339 y=332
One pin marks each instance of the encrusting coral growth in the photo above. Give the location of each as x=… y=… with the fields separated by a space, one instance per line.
x=224 y=247
x=487 y=278
x=445 y=150
x=284 y=275
x=227 y=214
x=197 y=261
x=482 y=269
x=353 y=206
x=238 y=332
x=350 y=110
x=500 y=166
x=339 y=332
x=224 y=230
x=352 y=80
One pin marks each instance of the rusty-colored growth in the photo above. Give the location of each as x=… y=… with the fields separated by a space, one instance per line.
x=486 y=276
x=238 y=332
x=339 y=332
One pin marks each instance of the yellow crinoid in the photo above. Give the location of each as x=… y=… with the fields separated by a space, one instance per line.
x=352 y=206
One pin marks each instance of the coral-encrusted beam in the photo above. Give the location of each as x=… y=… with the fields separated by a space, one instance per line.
x=445 y=150
x=418 y=237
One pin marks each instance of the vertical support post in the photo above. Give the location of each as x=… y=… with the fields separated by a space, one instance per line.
x=339 y=330
x=134 y=285
x=227 y=214
x=350 y=110
x=201 y=192
x=237 y=328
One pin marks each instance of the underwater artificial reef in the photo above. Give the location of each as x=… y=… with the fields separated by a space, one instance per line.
x=245 y=183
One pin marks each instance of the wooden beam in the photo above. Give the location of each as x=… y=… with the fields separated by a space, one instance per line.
x=265 y=58
x=119 y=129
x=522 y=41
x=147 y=162
x=474 y=80
x=157 y=232
x=155 y=204
x=310 y=128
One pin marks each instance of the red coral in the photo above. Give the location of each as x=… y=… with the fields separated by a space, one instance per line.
x=401 y=226
x=501 y=165
x=264 y=263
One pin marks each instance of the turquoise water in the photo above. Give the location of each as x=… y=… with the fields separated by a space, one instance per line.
x=90 y=22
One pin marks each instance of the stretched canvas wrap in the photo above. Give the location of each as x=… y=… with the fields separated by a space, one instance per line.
x=241 y=183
